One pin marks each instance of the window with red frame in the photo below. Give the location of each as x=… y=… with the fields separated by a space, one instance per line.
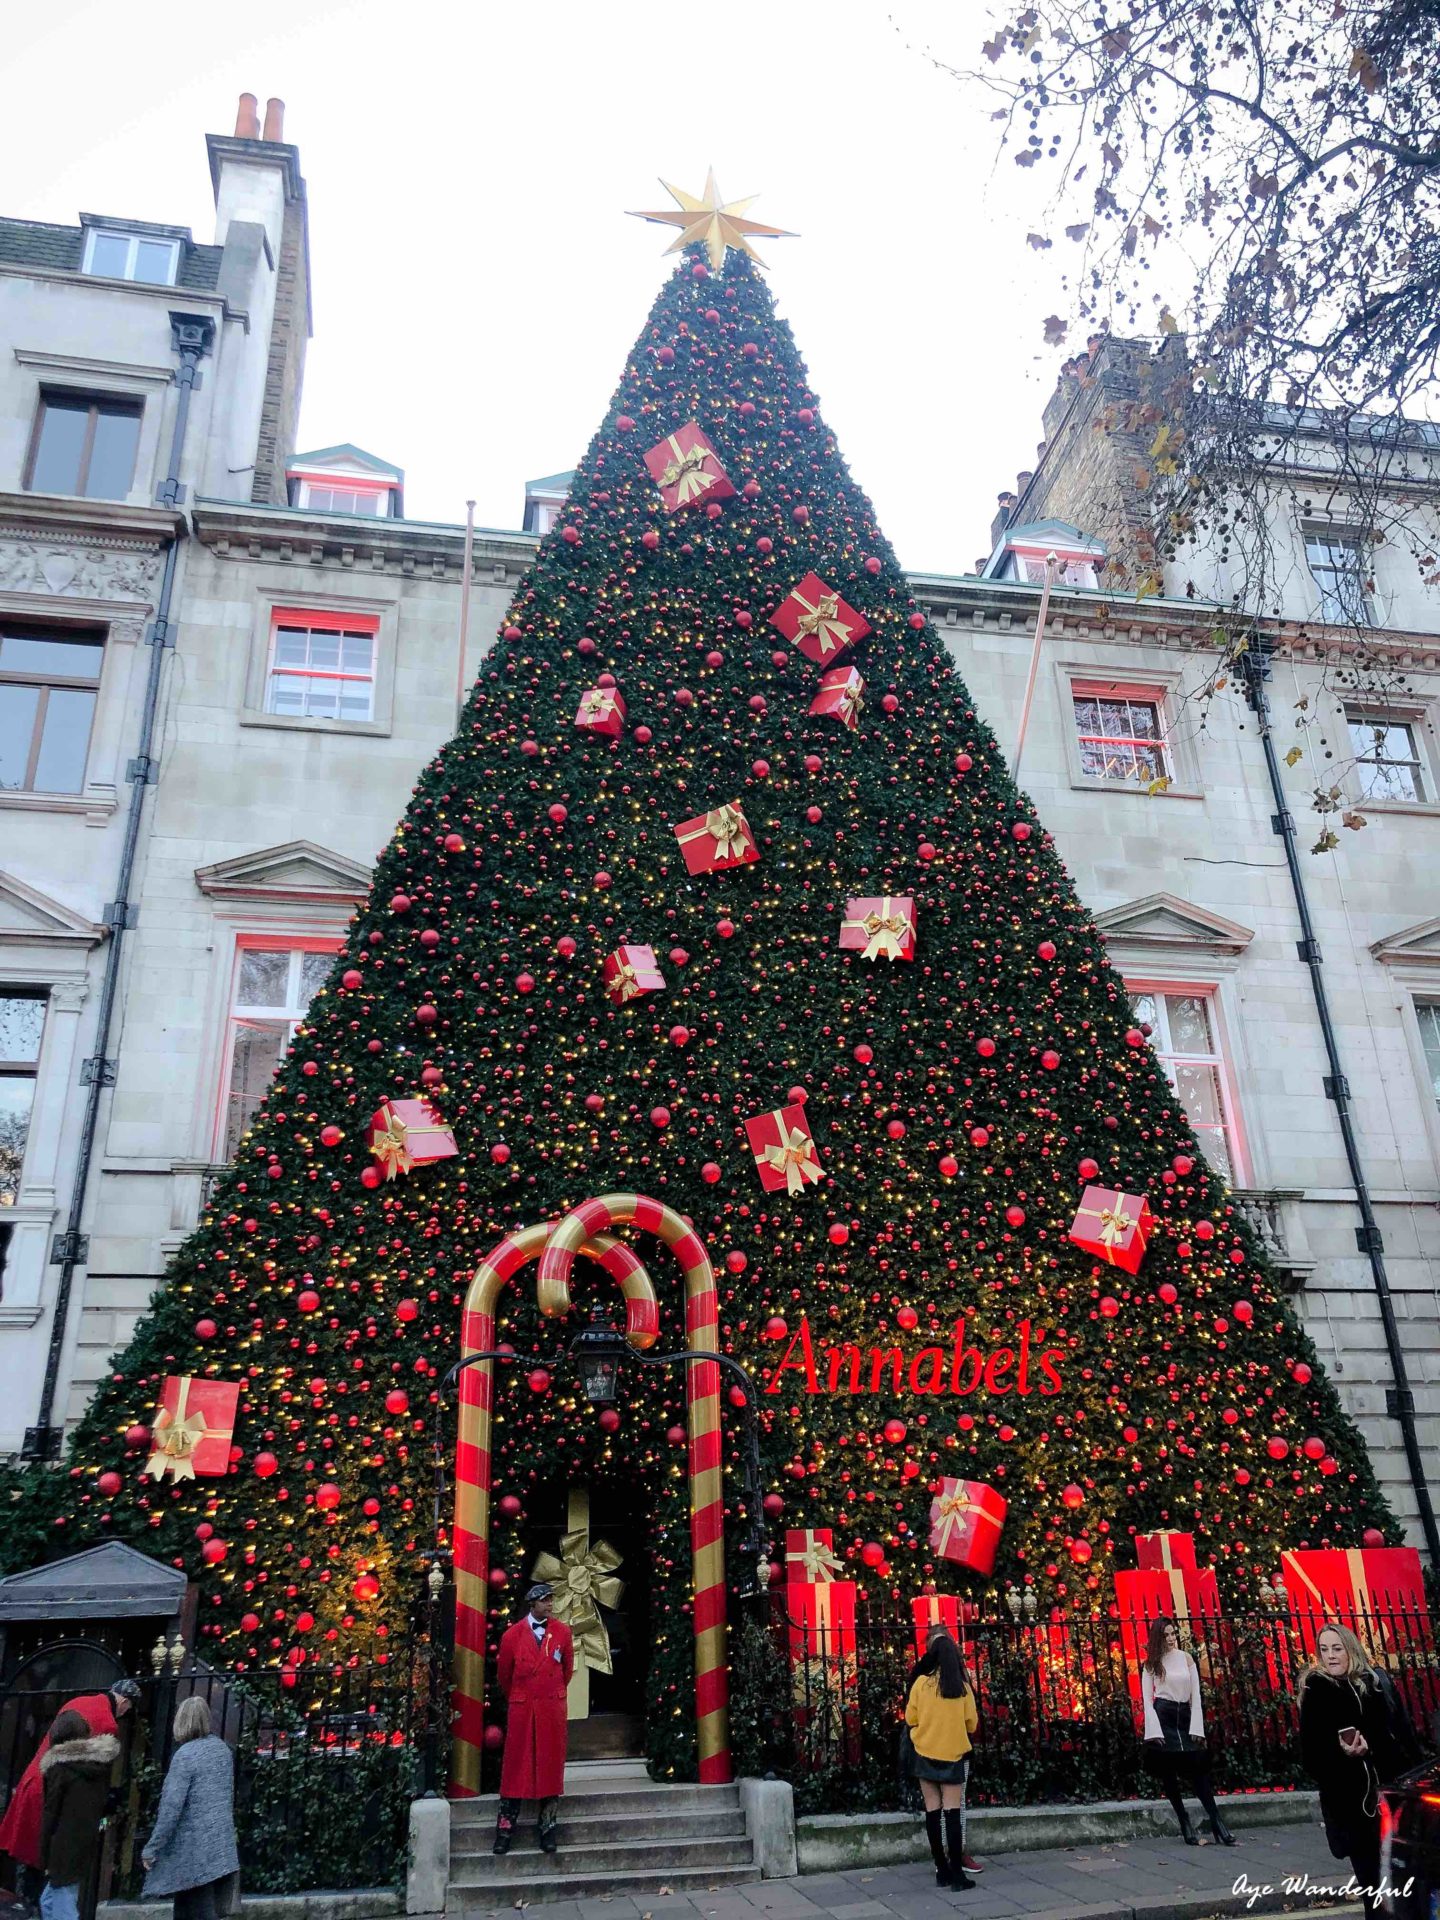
x=273 y=987
x=322 y=665
x=1121 y=734
x=1185 y=1036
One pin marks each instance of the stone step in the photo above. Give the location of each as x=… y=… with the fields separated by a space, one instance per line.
x=609 y=1862
x=586 y=1829
x=658 y=1800
x=501 y=1895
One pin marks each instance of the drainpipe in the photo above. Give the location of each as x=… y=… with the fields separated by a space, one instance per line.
x=1253 y=665
x=192 y=337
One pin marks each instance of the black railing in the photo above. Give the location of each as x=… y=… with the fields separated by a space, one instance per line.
x=1059 y=1703
x=327 y=1760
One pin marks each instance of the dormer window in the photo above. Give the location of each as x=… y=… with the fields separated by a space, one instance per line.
x=115 y=255
x=1039 y=547
x=347 y=480
x=347 y=499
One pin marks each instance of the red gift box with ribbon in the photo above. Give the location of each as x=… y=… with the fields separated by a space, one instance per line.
x=405 y=1132
x=929 y=1610
x=631 y=971
x=810 y=1554
x=965 y=1521
x=784 y=1150
x=1166 y=1550
x=841 y=695
x=601 y=710
x=879 y=927
x=713 y=841
x=687 y=469
x=1114 y=1226
x=193 y=1428
x=1378 y=1592
x=818 y=621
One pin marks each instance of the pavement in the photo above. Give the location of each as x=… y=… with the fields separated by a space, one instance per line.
x=1269 y=1870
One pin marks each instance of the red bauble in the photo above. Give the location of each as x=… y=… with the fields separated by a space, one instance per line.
x=979 y=1136
x=800 y=515
x=1109 y=1306
x=872 y=564
x=894 y=1431
x=1046 y=950
x=1182 y=1163
x=710 y=1173
x=895 y=1129
x=985 y=1048
x=1276 y=1447
x=907 y=1319
x=676 y=1435
x=493 y=1738
x=1134 y=1037
x=773 y=1505
x=737 y=1396
x=1372 y=1537
x=327 y=1496
x=308 y=1301
x=1050 y=1060
x=205 y=1329
x=917 y=622
x=659 y=1116
x=1300 y=1373
x=214 y=1551
x=1204 y=1230
x=351 y=978
x=1244 y=1312
x=864 y=1055
x=399 y=903
x=509 y=1506
x=426 y=1015
x=366 y=1587
x=1314 y=1447
x=736 y=1261
x=397 y=1401
x=624 y=424
x=538 y=1380
x=1073 y=1496
x=249 y=1623
x=331 y=1136
x=370 y=1176
x=1020 y=830
x=839 y=1233
x=872 y=1553
x=949 y=1165
x=775 y=1327
x=1167 y=1293
x=1088 y=1168
x=137 y=1436
x=1015 y=1216
x=524 y=983
x=265 y=1464
x=109 y=1484
x=500 y=1153
x=408 y=1310
x=609 y=1420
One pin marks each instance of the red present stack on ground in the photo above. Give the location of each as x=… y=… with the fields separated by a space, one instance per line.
x=784 y=1150
x=825 y=1678
x=687 y=469
x=879 y=927
x=965 y=1521
x=601 y=710
x=842 y=695
x=1114 y=1226
x=819 y=622
x=1166 y=1550
x=631 y=971
x=1187 y=1594
x=718 y=839
x=1378 y=1592
x=192 y=1432
x=405 y=1132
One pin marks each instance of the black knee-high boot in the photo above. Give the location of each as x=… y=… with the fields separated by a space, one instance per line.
x=1177 y=1801
x=955 y=1845
x=1205 y=1794
x=505 y=1825
x=937 y=1848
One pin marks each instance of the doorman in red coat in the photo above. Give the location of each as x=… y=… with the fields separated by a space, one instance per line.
x=537 y=1658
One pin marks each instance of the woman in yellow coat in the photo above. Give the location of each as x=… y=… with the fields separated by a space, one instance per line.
x=941 y=1715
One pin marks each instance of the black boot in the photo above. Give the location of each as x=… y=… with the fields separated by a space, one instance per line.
x=505 y=1826
x=937 y=1848
x=955 y=1846
x=1205 y=1793
x=1187 y=1832
x=547 y=1825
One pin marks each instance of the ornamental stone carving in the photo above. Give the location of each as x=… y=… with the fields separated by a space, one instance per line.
x=87 y=572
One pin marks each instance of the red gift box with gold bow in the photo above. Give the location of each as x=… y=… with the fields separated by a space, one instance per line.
x=810 y=1554
x=631 y=971
x=1114 y=1226
x=784 y=1150
x=1378 y=1592
x=841 y=695
x=880 y=927
x=687 y=469
x=601 y=710
x=1166 y=1550
x=965 y=1521
x=818 y=621
x=718 y=839
x=192 y=1431
x=406 y=1132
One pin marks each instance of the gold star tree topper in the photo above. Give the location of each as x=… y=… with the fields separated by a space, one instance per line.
x=719 y=223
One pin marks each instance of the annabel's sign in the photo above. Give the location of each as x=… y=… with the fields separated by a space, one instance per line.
x=1029 y=1366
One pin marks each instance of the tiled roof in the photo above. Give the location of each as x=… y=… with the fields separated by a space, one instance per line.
x=38 y=243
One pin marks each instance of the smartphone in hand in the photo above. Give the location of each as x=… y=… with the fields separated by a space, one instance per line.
x=1351 y=1739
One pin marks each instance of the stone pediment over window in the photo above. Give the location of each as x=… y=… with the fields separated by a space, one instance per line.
x=298 y=872
x=1164 y=923
x=1417 y=946
x=32 y=917
x=109 y=1582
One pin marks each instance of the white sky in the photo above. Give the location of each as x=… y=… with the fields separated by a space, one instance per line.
x=476 y=281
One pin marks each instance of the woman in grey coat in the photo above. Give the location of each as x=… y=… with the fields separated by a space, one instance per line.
x=191 y=1852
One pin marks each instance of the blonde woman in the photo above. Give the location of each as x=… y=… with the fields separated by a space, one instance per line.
x=1355 y=1738
x=191 y=1853
x=1175 y=1729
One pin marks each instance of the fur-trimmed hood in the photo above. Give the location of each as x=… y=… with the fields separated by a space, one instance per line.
x=100 y=1750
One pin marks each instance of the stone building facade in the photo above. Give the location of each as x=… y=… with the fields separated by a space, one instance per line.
x=315 y=668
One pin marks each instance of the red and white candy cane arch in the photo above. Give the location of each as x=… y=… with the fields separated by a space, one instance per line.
x=470 y=1544
x=702 y=1400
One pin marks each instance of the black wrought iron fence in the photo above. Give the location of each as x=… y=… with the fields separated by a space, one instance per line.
x=1059 y=1702
x=327 y=1760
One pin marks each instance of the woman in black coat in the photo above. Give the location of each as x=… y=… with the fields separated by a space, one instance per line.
x=1355 y=1738
x=75 y=1771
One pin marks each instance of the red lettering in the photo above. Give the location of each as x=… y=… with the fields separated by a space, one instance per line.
x=890 y=1357
x=1022 y=1378
x=999 y=1363
x=837 y=1357
x=962 y=1355
x=1049 y=1367
x=800 y=1337
x=936 y=1358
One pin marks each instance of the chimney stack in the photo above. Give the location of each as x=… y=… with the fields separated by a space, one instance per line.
x=274 y=120
x=247 y=121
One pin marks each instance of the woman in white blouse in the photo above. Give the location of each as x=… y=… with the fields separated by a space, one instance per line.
x=1175 y=1729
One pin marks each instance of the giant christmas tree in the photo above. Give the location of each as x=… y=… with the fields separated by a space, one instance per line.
x=856 y=917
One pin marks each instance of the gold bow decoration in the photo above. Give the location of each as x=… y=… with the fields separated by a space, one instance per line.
x=389 y=1148
x=851 y=701
x=686 y=472
x=584 y=1580
x=817 y=1561
x=952 y=1509
x=596 y=704
x=793 y=1155
x=175 y=1437
x=726 y=826
x=885 y=933
x=1115 y=1224
x=823 y=622
x=624 y=979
